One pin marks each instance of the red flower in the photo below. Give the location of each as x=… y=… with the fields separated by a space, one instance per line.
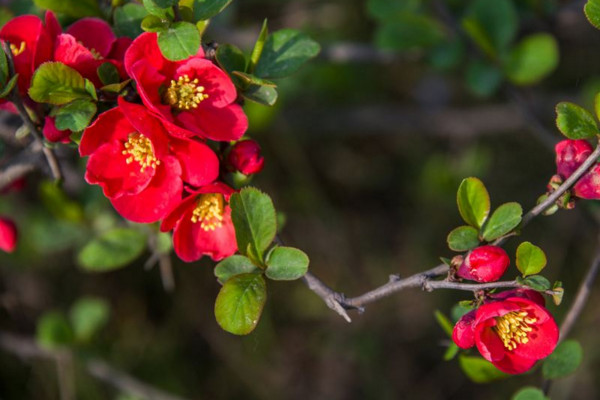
x=140 y=168
x=8 y=235
x=193 y=95
x=484 y=264
x=53 y=134
x=512 y=334
x=202 y=224
x=31 y=43
x=570 y=154
x=245 y=157
x=89 y=43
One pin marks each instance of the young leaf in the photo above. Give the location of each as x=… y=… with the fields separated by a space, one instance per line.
x=240 y=303
x=284 y=52
x=409 y=31
x=530 y=259
x=75 y=116
x=265 y=95
x=451 y=352
x=597 y=105
x=230 y=58
x=10 y=85
x=72 y=8
x=152 y=23
x=108 y=74
x=111 y=250
x=480 y=370
x=592 y=12
x=463 y=238
x=473 y=202
x=3 y=67
x=165 y=3
x=232 y=266
x=444 y=322
x=529 y=393
x=155 y=9
x=249 y=79
x=180 y=41
x=53 y=330
x=258 y=46
x=503 y=220
x=254 y=220
x=87 y=316
x=286 y=264
x=532 y=59
x=575 y=122
x=128 y=20
x=563 y=361
x=205 y=9
x=56 y=83
x=535 y=282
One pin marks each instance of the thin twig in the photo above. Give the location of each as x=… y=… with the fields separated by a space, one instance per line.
x=14 y=172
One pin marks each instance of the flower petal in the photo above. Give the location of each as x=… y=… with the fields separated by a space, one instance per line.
x=110 y=125
x=94 y=33
x=199 y=163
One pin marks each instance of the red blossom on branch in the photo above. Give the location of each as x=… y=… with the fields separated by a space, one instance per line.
x=8 y=235
x=484 y=264
x=570 y=154
x=245 y=157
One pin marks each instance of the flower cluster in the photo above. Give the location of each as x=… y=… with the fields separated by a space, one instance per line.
x=570 y=154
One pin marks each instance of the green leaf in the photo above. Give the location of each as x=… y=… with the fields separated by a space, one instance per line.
x=56 y=83
x=205 y=9
x=492 y=24
x=503 y=220
x=460 y=309
x=53 y=331
x=386 y=9
x=575 y=122
x=55 y=200
x=154 y=9
x=152 y=23
x=10 y=85
x=111 y=250
x=451 y=352
x=530 y=259
x=444 y=322
x=165 y=3
x=480 y=370
x=3 y=67
x=108 y=74
x=284 y=52
x=128 y=20
x=535 y=57
x=409 y=31
x=258 y=46
x=463 y=238
x=565 y=359
x=248 y=79
x=240 y=303
x=447 y=55
x=286 y=264
x=536 y=282
x=253 y=216
x=592 y=12
x=72 y=8
x=180 y=41
x=473 y=202
x=483 y=78
x=115 y=87
x=234 y=265
x=529 y=393
x=597 y=105
x=88 y=315
x=75 y=116
x=230 y=58
x=265 y=95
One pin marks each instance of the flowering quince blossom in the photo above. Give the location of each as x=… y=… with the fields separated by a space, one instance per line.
x=512 y=333
x=194 y=95
x=140 y=168
x=89 y=43
x=53 y=134
x=8 y=235
x=484 y=264
x=202 y=224
x=245 y=157
x=570 y=154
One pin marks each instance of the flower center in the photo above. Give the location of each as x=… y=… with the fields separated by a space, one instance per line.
x=184 y=93
x=209 y=211
x=18 y=50
x=139 y=148
x=513 y=328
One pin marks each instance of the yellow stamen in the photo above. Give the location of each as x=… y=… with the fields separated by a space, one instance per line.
x=209 y=211
x=184 y=93
x=513 y=328
x=139 y=148
x=95 y=53
x=18 y=50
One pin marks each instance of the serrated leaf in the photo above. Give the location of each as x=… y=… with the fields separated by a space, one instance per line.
x=205 y=9
x=258 y=46
x=563 y=361
x=88 y=315
x=535 y=282
x=529 y=393
x=592 y=12
x=284 y=52
x=240 y=303
x=265 y=95
x=128 y=20
x=58 y=84
x=155 y=9
x=444 y=322
x=152 y=23
x=575 y=122
x=180 y=41
x=254 y=219
x=530 y=259
x=72 y=8
x=112 y=250
x=503 y=220
x=463 y=238
x=473 y=202
x=408 y=31
x=286 y=264
x=234 y=265
x=480 y=370
x=53 y=331
x=532 y=59
x=75 y=116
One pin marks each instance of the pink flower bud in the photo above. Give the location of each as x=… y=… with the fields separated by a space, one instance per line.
x=8 y=235
x=484 y=264
x=52 y=134
x=245 y=157
x=570 y=154
x=588 y=186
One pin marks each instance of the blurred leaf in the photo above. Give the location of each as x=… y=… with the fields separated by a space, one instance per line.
x=447 y=55
x=230 y=58
x=56 y=83
x=10 y=85
x=165 y=3
x=530 y=259
x=234 y=265
x=444 y=322
x=284 y=52
x=597 y=105
x=451 y=352
x=3 y=67
x=205 y=9
x=258 y=46
x=128 y=20
x=112 y=250
x=75 y=116
x=180 y=41
x=155 y=9
x=592 y=12
x=386 y=9
x=492 y=24
x=286 y=264
x=108 y=74
x=249 y=79
x=463 y=238
x=152 y=23
x=240 y=303
x=575 y=122
x=565 y=359
x=482 y=78
x=265 y=95
x=72 y=8
x=58 y=203
x=503 y=220
x=480 y=370
x=460 y=309
x=532 y=59
x=53 y=331
x=536 y=282
x=164 y=242
x=88 y=315
x=473 y=202
x=529 y=393
x=408 y=32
